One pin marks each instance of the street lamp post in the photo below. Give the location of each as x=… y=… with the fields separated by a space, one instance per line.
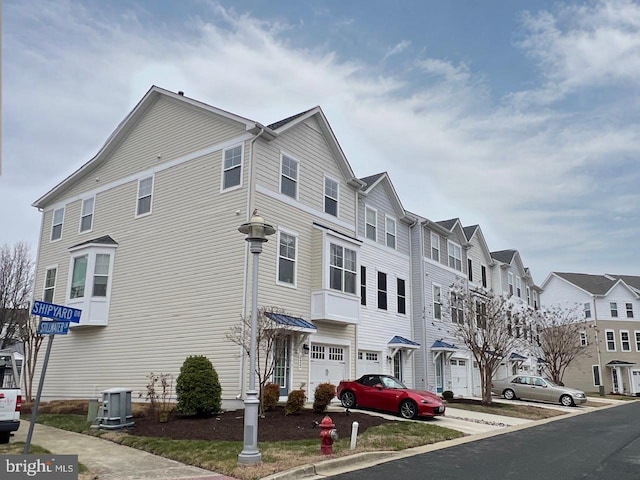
x=256 y=231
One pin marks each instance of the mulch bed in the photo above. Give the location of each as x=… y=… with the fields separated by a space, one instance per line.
x=275 y=426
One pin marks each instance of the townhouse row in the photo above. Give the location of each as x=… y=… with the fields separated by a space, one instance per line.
x=144 y=239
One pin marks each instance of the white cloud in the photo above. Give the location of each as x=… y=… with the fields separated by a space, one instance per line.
x=398 y=48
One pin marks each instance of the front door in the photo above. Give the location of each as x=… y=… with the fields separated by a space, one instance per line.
x=635 y=379
x=282 y=368
x=397 y=365
x=439 y=374
x=615 y=380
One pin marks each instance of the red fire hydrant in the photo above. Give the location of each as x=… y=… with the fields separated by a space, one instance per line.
x=328 y=434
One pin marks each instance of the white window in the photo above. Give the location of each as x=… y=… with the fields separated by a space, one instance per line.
x=86 y=217
x=336 y=353
x=625 y=342
x=587 y=310
x=287 y=258
x=583 y=339
x=232 y=168
x=100 y=268
x=613 y=306
x=455 y=256
x=145 y=193
x=390 y=224
x=611 y=340
x=518 y=287
x=629 y=308
x=528 y=295
x=101 y=275
x=435 y=247
x=371 y=356
x=456 y=309
x=637 y=335
x=50 y=284
x=56 y=224
x=342 y=269
x=437 y=302
x=510 y=281
x=535 y=300
x=289 y=177
x=481 y=314
x=331 y=190
x=317 y=352
x=371 y=221
x=78 y=276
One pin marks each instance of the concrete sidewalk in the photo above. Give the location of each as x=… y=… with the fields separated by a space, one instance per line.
x=109 y=460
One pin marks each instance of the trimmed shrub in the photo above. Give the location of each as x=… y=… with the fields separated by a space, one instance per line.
x=447 y=395
x=322 y=397
x=295 y=402
x=198 y=388
x=270 y=396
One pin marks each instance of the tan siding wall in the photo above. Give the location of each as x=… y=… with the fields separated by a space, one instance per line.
x=316 y=259
x=170 y=129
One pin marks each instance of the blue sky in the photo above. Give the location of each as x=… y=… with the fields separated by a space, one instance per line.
x=520 y=116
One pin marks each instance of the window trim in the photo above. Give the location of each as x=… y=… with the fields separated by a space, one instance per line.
x=613 y=307
x=401 y=299
x=55 y=281
x=437 y=237
x=587 y=309
x=483 y=274
x=622 y=342
x=388 y=218
x=628 y=306
x=295 y=259
x=450 y=256
x=53 y=224
x=83 y=215
x=138 y=197
x=518 y=286
x=470 y=269
x=384 y=292
x=295 y=180
x=593 y=377
x=329 y=266
x=363 y=285
x=584 y=341
x=433 y=300
x=613 y=339
x=366 y=224
x=325 y=195
x=510 y=284
x=223 y=170
x=636 y=336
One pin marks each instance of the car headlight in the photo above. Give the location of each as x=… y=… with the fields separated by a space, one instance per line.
x=580 y=395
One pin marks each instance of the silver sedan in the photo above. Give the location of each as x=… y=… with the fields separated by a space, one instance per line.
x=528 y=387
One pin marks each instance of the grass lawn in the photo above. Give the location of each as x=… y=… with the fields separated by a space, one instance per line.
x=17 y=448
x=509 y=410
x=610 y=396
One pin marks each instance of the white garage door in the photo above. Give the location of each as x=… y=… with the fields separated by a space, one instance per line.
x=328 y=365
x=368 y=362
x=459 y=376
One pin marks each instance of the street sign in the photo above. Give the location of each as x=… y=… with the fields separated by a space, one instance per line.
x=57 y=312
x=48 y=327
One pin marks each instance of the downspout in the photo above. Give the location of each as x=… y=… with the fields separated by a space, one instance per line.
x=423 y=283
x=595 y=328
x=251 y=176
x=411 y=276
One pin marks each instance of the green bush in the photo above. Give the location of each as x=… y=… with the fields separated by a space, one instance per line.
x=295 y=402
x=322 y=397
x=447 y=395
x=270 y=396
x=197 y=387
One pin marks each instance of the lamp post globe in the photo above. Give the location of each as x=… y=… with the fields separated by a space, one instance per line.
x=256 y=231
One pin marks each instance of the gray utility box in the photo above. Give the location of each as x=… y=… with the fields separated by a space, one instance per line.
x=115 y=409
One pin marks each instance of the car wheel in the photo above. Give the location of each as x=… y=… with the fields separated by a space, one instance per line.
x=4 y=437
x=348 y=399
x=509 y=394
x=408 y=409
x=567 y=401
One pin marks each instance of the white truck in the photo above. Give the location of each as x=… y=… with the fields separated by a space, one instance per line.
x=10 y=395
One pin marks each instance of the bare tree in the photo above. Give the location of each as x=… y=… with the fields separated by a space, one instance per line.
x=32 y=342
x=491 y=327
x=16 y=277
x=560 y=340
x=270 y=343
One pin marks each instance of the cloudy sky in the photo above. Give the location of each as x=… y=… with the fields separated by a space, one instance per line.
x=520 y=116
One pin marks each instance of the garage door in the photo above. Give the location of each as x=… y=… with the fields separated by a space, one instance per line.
x=368 y=362
x=459 y=377
x=328 y=365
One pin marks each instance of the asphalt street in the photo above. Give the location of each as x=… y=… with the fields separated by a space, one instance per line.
x=601 y=445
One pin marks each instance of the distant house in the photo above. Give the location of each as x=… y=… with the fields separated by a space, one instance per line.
x=611 y=337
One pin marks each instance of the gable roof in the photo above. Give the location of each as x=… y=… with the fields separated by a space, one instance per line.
x=504 y=256
x=370 y=182
x=631 y=280
x=449 y=224
x=470 y=231
x=594 y=284
x=126 y=125
x=283 y=122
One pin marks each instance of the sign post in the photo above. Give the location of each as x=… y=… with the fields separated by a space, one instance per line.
x=59 y=325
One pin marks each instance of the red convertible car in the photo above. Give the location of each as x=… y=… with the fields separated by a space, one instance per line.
x=387 y=393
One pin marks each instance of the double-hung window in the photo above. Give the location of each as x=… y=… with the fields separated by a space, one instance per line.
x=402 y=296
x=382 y=290
x=342 y=269
x=437 y=302
x=56 y=224
x=613 y=306
x=518 y=287
x=455 y=256
x=629 y=308
x=331 y=191
x=145 y=193
x=86 y=217
x=528 y=295
x=481 y=314
x=611 y=340
x=625 y=341
x=371 y=223
x=456 y=309
x=101 y=263
x=101 y=275
x=587 y=310
x=637 y=335
x=435 y=247
x=287 y=258
x=510 y=281
x=483 y=270
x=289 y=177
x=583 y=339
x=390 y=228
x=50 y=284
x=232 y=168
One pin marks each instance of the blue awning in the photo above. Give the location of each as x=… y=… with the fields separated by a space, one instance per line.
x=443 y=346
x=515 y=357
x=402 y=342
x=295 y=324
